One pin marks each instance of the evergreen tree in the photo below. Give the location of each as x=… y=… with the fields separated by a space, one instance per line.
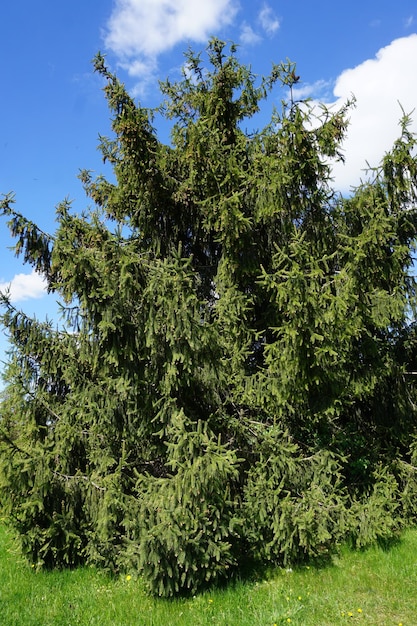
x=230 y=375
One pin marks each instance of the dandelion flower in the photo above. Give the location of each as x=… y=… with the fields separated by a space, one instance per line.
x=299 y=597
x=210 y=601
x=128 y=577
x=359 y=610
x=350 y=614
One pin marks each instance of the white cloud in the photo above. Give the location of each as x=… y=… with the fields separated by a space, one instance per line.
x=140 y=30
x=268 y=20
x=379 y=85
x=248 y=36
x=24 y=287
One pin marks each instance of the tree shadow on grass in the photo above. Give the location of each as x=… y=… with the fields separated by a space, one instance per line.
x=251 y=570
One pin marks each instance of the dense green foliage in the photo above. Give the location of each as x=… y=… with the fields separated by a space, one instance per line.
x=230 y=380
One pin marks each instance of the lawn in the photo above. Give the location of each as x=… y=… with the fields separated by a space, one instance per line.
x=376 y=587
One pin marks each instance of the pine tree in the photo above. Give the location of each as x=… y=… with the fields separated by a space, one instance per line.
x=229 y=376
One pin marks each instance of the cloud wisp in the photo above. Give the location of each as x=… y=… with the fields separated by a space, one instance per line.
x=268 y=20
x=248 y=36
x=321 y=90
x=24 y=287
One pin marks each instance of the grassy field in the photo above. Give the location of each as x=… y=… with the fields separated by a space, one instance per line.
x=376 y=587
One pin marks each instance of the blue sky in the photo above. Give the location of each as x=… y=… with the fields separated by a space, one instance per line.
x=52 y=108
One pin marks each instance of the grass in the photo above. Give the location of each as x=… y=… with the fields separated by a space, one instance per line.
x=376 y=587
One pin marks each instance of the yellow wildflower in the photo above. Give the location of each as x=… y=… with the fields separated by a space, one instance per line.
x=128 y=577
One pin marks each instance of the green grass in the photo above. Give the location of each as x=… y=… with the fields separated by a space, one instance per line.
x=376 y=587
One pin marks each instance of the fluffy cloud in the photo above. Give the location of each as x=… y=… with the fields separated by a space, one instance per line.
x=381 y=86
x=24 y=287
x=139 y=30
